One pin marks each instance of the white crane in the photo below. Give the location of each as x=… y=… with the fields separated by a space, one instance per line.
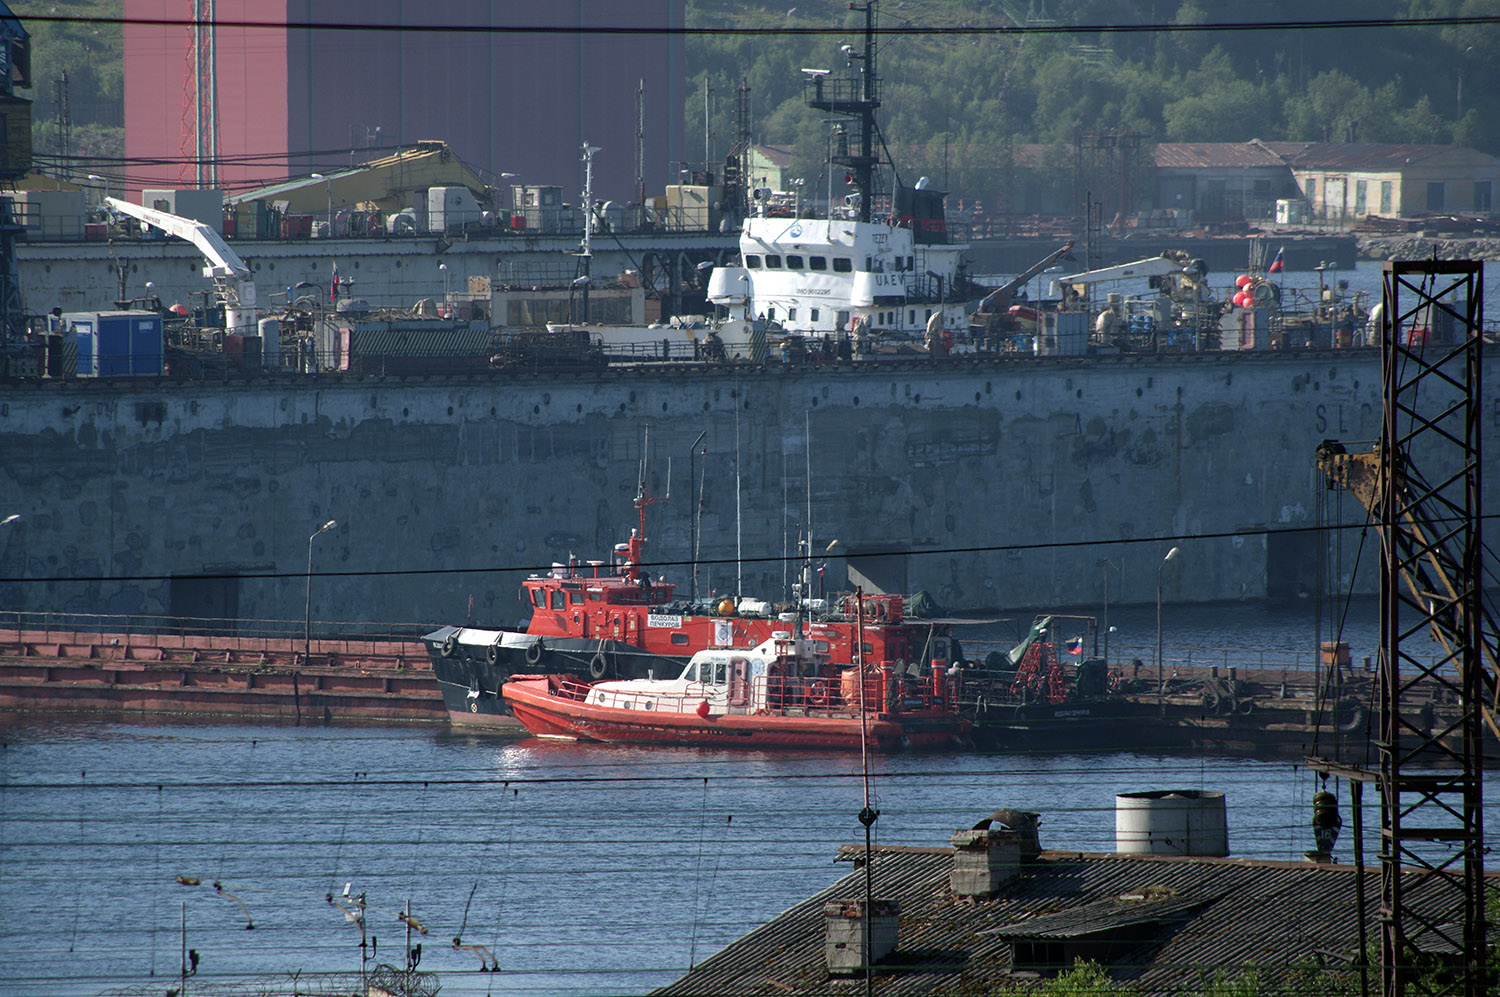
x=233 y=282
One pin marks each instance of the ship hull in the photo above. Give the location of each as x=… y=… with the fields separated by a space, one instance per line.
x=545 y=714
x=470 y=675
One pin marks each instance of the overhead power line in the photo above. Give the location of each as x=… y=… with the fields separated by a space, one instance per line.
x=685 y=31
x=702 y=562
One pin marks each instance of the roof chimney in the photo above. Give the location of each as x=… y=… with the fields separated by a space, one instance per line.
x=844 y=947
x=990 y=854
x=984 y=858
x=1024 y=823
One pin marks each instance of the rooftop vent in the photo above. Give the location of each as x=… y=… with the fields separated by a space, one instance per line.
x=844 y=948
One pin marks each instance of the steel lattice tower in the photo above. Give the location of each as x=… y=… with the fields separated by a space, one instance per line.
x=1431 y=589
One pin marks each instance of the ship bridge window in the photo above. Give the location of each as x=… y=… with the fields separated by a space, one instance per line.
x=752 y=262
x=679 y=638
x=791 y=314
x=558 y=599
x=773 y=262
x=794 y=263
x=690 y=673
x=596 y=596
x=814 y=316
x=720 y=675
x=539 y=598
x=817 y=263
x=576 y=598
x=842 y=264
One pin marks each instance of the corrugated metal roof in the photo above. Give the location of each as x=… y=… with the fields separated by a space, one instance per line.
x=1215 y=155
x=1229 y=916
x=1357 y=156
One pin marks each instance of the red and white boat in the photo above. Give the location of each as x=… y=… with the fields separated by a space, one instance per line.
x=783 y=693
x=598 y=620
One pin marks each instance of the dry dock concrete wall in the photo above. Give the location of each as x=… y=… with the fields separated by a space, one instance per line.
x=997 y=485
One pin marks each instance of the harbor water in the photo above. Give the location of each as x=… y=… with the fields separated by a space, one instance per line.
x=579 y=869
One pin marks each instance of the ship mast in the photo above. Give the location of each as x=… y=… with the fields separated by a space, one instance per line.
x=636 y=546
x=857 y=97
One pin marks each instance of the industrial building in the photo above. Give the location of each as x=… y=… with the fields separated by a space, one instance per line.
x=515 y=89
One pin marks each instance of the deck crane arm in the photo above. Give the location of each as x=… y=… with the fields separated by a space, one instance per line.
x=998 y=300
x=233 y=282
x=1363 y=475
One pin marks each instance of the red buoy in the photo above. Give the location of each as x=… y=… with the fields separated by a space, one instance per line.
x=703 y=709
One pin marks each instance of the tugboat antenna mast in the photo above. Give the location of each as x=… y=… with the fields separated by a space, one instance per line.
x=858 y=98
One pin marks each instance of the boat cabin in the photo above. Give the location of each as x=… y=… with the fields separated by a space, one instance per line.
x=779 y=673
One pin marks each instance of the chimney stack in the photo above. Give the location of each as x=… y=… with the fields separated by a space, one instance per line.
x=844 y=947
x=984 y=859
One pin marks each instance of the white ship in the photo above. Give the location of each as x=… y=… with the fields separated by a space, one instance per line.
x=878 y=269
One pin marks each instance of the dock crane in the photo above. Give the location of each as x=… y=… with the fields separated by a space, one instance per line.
x=1434 y=576
x=1432 y=580
x=234 y=284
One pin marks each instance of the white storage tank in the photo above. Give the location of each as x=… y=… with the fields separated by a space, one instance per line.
x=270 y=342
x=1171 y=822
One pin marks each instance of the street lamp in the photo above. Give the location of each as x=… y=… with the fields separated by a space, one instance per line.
x=1105 y=564
x=329 y=181
x=307 y=619
x=1161 y=685
x=13 y=517
x=104 y=180
x=697 y=509
x=443 y=268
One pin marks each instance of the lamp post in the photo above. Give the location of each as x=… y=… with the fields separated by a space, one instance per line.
x=329 y=182
x=1161 y=684
x=307 y=618
x=105 y=181
x=696 y=511
x=503 y=177
x=443 y=269
x=15 y=517
x=1105 y=564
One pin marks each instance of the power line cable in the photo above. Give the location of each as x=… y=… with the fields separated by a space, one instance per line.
x=782 y=30
x=763 y=559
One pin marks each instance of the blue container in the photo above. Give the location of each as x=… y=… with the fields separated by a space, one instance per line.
x=116 y=344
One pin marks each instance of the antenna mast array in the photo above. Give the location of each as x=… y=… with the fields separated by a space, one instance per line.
x=858 y=97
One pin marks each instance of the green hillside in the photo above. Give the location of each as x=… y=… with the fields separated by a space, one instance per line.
x=91 y=56
x=958 y=102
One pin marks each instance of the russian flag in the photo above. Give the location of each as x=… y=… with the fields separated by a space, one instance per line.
x=1075 y=646
x=1276 y=264
x=333 y=287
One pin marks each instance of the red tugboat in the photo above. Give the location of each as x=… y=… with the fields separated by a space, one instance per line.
x=784 y=693
x=604 y=621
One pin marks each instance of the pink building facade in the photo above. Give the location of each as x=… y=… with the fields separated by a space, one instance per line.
x=306 y=87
